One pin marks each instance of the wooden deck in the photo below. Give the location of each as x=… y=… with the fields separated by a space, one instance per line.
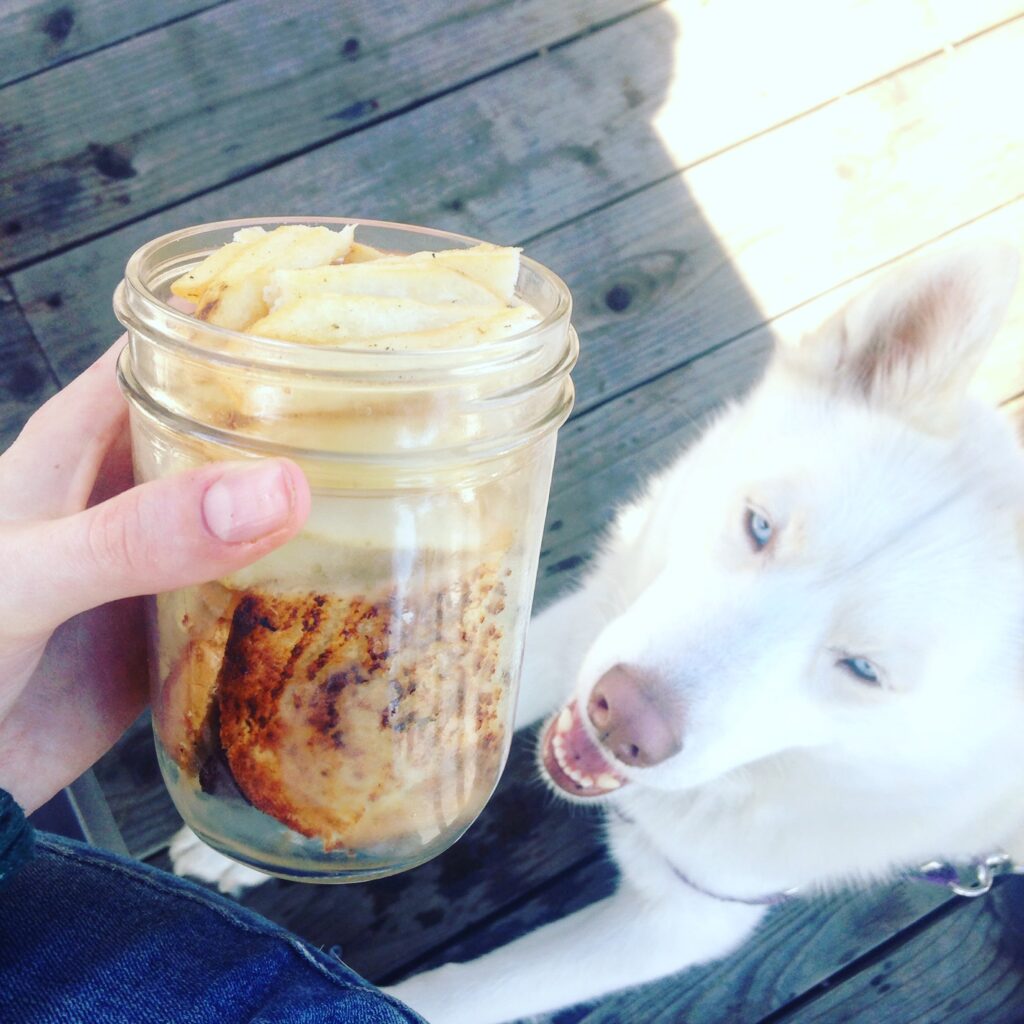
x=705 y=175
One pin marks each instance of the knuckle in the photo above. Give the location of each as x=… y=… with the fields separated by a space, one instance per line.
x=117 y=539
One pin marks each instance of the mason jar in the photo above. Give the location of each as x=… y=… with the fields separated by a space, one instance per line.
x=342 y=708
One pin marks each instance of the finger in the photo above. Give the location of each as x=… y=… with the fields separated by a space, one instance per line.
x=50 y=469
x=162 y=535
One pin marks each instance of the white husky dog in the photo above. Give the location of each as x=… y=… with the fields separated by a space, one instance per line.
x=791 y=654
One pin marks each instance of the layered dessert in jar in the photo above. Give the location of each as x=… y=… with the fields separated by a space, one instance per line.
x=342 y=708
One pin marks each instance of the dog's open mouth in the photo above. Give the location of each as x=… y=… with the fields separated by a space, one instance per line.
x=573 y=761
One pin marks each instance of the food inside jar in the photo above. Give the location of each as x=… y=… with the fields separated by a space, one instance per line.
x=350 y=689
x=352 y=719
x=316 y=291
x=315 y=286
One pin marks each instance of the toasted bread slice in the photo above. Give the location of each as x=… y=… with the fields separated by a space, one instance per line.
x=364 y=722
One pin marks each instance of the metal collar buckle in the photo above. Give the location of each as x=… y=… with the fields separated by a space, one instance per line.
x=973 y=879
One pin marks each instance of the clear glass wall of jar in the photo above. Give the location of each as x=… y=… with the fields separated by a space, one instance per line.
x=342 y=709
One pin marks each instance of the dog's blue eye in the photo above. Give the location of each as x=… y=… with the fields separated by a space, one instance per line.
x=861 y=668
x=759 y=529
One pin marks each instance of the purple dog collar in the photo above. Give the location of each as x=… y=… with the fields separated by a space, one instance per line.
x=771 y=900
x=972 y=879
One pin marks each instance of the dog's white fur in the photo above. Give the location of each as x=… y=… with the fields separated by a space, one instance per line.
x=897 y=508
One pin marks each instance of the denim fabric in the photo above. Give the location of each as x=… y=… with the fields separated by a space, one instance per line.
x=17 y=839
x=90 y=938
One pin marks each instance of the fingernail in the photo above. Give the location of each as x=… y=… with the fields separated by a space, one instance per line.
x=246 y=504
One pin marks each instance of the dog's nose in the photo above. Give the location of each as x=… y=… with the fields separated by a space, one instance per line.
x=634 y=717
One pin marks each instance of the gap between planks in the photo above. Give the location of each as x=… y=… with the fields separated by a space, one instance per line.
x=912 y=980
x=68 y=19
x=27 y=378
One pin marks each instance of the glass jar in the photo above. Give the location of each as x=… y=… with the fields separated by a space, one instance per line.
x=342 y=709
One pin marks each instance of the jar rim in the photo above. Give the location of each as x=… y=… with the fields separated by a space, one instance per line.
x=475 y=450
x=277 y=351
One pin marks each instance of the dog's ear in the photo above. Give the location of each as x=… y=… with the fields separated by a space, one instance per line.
x=912 y=343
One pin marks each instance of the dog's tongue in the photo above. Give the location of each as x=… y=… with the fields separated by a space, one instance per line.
x=573 y=761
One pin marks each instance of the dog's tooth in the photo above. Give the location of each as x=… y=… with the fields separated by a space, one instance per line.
x=565 y=720
x=608 y=781
x=586 y=781
x=577 y=776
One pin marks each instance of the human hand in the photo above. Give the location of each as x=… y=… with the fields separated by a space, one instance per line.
x=79 y=545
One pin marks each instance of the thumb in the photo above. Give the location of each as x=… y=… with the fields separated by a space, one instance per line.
x=174 y=532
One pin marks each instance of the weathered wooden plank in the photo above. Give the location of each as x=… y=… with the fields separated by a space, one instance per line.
x=589 y=879
x=655 y=282
x=241 y=99
x=238 y=87
x=520 y=168
x=798 y=947
x=26 y=380
x=964 y=969
x=38 y=35
x=771 y=73
x=757 y=231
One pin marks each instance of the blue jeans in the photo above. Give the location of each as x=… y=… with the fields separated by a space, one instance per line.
x=88 y=937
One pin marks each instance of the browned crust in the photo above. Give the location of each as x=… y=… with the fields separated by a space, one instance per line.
x=181 y=711
x=268 y=637
x=358 y=721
